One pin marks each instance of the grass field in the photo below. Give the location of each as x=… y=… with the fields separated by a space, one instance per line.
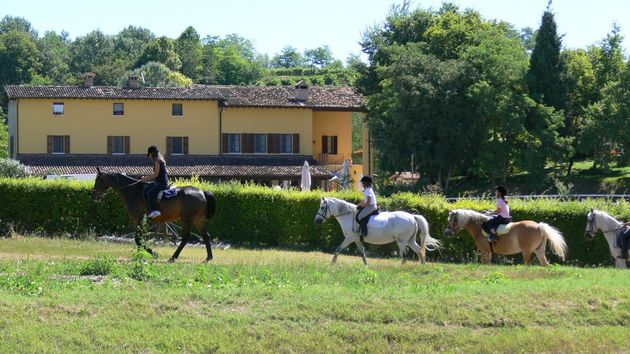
x=70 y=296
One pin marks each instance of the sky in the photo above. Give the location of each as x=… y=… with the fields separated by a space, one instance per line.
x=274 y=24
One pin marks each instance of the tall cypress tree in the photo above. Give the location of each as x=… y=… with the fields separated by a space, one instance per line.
x=544 y=77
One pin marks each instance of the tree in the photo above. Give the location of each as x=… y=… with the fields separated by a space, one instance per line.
x=161 y=50
x=90 y=51
x=157 y=75
x=19 y=58
x=130 y=42
x=55 y=56
x=319 y=57
x=544 y=77
x=229 y=61
x=19 y=24
x=189 y=49
x=288 y=58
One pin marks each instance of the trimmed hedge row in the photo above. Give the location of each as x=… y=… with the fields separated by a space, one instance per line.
x=261 y=216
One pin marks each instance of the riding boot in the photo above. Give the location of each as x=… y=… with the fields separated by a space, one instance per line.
x=492 y=237
x=363 y=228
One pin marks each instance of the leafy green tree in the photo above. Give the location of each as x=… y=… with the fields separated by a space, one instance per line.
x=229 y=61
x=55 y=56
x=19 y=24
x=19 y=58
x=319 y=57
x=157 y=75
x=91 y=51
x=288 y=58
x=189 y=49
x=161 y=50
x=544 y=77
x=130 y=42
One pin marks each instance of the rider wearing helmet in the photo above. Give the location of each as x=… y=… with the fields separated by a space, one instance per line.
x=368 y=204
x=501 y=215
x=159 y=178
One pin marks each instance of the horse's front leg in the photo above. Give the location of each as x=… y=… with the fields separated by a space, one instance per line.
x=139 y=237
x=486 y=257
x=346 y=242
x=361 y=248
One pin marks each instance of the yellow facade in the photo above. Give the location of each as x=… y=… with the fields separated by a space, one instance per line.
x=88 y=122
x=271 y=121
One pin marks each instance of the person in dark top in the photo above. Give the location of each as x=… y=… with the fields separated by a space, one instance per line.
x=159 y=178
x=622 y=240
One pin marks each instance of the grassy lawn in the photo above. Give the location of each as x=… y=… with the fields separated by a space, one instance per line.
x=280 y=301
x=585 y=180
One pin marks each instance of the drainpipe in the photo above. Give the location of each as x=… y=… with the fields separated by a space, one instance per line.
x=221 y=108
x=16 y=140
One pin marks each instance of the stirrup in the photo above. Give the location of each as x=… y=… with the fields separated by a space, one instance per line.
x=154 y=214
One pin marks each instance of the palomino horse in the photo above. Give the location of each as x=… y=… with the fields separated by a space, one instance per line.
x=527 y=237
x=396 y=226
x=191 y=205
x=600 y=220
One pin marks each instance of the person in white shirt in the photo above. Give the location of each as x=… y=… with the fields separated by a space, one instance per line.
x=368 y=204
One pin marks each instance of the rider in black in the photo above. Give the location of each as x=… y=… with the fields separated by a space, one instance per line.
x=623 y=238
x=159 y=178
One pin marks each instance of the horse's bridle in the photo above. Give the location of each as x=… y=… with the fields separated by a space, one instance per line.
x=326 y=210
x=592 y=227
x=454 y=227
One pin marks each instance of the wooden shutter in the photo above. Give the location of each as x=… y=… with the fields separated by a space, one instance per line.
x=296 y=143
x=110 y=145
x=324 y=144
x=66 y=147
x=127 y=144
x=185 y=142
x=169 y=145
x=224 y=143
x=49 y=144
x=273 y=143
x=247 y=143
x=334 y=145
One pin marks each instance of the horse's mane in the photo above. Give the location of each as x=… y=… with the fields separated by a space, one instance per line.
x=607 y=217
x=468 y=215
x=121 y=179
x=343 y=206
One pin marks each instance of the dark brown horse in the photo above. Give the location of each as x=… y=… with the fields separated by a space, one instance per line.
x=191 y=205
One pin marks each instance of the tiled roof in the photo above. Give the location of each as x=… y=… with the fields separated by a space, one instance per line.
x=107 y=92
x=230 y=166
x=320 y=97
x=340 y=98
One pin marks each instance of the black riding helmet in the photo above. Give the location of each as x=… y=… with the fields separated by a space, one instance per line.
x=153 y=150
x=501 y=190
x=366 y=179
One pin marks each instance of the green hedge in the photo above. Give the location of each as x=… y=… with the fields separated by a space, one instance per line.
x=260 y=216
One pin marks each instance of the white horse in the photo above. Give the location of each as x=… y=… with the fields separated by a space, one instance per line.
x=384 y=228
x=600 y=220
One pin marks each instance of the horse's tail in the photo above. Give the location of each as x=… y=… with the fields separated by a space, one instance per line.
x=212 y=204
x=559 y=246
x=426 y=241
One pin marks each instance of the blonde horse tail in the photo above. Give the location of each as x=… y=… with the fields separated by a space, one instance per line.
x=555 y=238
x=426 y=241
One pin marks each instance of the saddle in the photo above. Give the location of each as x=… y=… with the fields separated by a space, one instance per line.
x=501 y=229
x=167 y=194
x=363 y=224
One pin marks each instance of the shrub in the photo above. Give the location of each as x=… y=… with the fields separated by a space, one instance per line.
x=13 y=168
x=261 y=216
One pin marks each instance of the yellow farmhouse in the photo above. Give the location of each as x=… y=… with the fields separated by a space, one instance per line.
x=253 y=133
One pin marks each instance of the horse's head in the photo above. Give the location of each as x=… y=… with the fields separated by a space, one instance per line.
x=591 y=227
x=323 y=213
x=452 y=226
x=101 y=185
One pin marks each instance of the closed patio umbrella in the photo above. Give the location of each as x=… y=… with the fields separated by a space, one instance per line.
x=306 y=177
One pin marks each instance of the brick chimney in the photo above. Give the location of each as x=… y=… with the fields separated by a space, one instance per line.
x=88 y=79
x=133 y=82
x=301 y=91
